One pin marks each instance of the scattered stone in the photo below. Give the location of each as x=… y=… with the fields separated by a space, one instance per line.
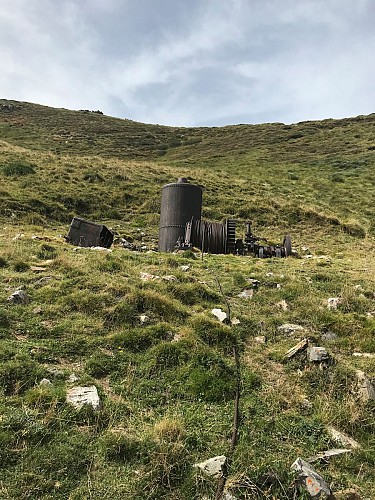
x=213 y=467
x=101 y=249
x=370 y=315
x=185 y=268
x=306 y=404
x=81 y=396
x=176 y=337
x=19 y=297
x=255 y=283
x=358 y=287
x=348 y=494
x=18 y=236
x=305 y=249
x=246 y=294
x=45 y=382
x=269 y=274
x=329 y=336
x=364 y=354
x=334 y=302
x=324 y=455
x=227 y=495
x=38 y=268
x=308 y=256
x=278 y=285
x=235 y=321
x=148 y=277
x=261 y=339
x=301 y=346
x=37 y=310
x=169 y=277
x=314 y=483
x=366 y=389
x=317 y=354
x=283 y=305
x=342 y=438
x=221 y=315
x=143 y=318
x=73 y=378
x=290 y=328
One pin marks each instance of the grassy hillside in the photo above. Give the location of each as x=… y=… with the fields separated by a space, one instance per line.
x=167 y=382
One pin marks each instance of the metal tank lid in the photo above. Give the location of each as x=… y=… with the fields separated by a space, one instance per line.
x=182 y=181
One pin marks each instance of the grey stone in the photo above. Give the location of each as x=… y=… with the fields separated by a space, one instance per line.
x=213 y=466
x=19 y=297
x=313 y=482
x=73 y=378
x=317 y=354
x=81 y=396
x=333 y=302
x=185 y=268
x=290 y=328
x=329 y=336
x=366 y=389
x=246 y=294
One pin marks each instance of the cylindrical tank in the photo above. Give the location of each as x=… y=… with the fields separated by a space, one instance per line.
x=180 y=202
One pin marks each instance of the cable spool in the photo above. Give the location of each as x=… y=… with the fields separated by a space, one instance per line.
x=212 y=237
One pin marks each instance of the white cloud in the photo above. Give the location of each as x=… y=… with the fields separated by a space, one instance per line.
x=184 y=63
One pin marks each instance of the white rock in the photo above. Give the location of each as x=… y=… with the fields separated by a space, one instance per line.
x=366 y=388
x=45 y=382
x=101 y=249
x=314 y=483
x=342 y=438
x=261 y=339
x=290 y=328
x=184 y=268
x=269 y=274
x=148 y=277
x=246 y=294
x=221 y=315
x=169 y=277
x=143 y=318
x=73 y=378
x=213 y=467
x=364 y=354
x=333 y=302
x=235 y=321
x=80 y=396
x=19 y=297
x=283 y=305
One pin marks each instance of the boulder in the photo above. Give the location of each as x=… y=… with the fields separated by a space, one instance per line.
x=81 y=396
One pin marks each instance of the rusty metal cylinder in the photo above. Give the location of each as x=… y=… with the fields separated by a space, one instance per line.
x=180 y=202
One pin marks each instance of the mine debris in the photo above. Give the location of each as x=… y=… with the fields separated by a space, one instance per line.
x=301 y=346
x=318 y=354
x=313 y=482
x=84 y=233
x=325 y=455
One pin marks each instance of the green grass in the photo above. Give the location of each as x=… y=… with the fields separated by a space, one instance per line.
x=167 y=385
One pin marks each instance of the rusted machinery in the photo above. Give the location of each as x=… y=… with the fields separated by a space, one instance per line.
x=181 y=227
x=84 y=233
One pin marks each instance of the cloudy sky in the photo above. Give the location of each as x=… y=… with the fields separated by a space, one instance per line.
x=192 y=62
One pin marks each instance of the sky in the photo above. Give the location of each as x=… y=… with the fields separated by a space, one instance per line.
x=192 y=62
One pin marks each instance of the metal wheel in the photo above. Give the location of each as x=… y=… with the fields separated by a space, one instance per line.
x=287 y=244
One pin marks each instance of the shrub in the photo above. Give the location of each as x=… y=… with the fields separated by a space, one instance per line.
x=18 y=168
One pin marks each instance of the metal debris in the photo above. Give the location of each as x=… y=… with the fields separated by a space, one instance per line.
x=324 y=455
x=313 y=482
